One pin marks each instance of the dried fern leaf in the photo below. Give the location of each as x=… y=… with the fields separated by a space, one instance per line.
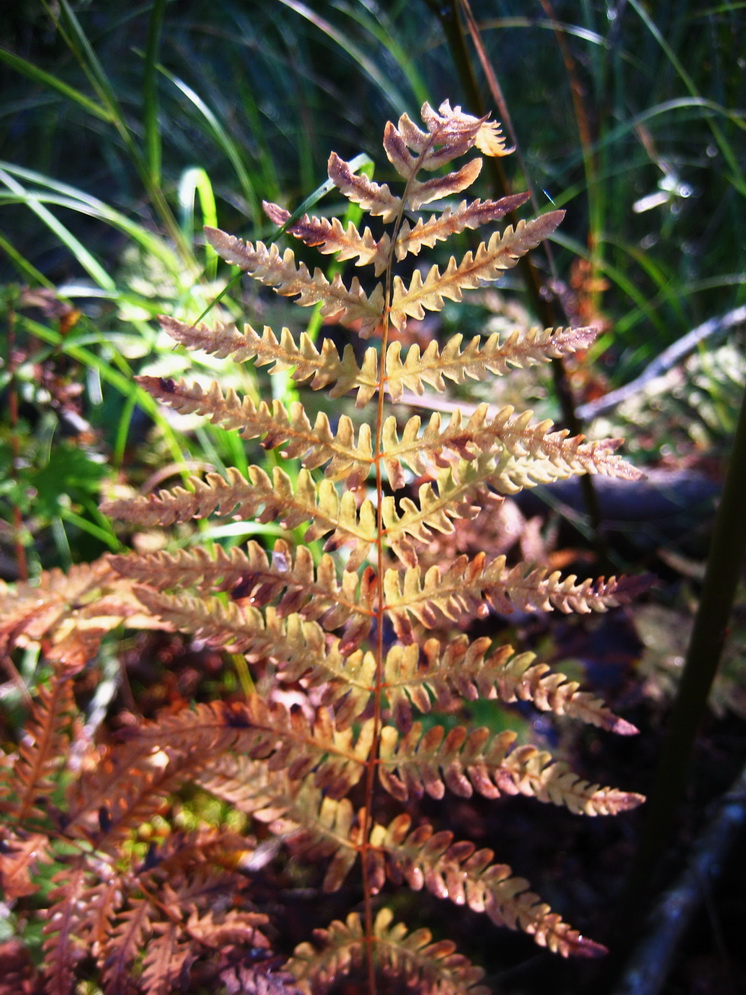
x=487 y=264
x=70 y=613
x=452 y=221
x=468 y=586
x=42 y=752
x=124 y=943
x=268 y=731
x=280 y=271
x=411 y=957
x=467 y=876
x=330 y=236
x=374 y=198
x=256 y=578
x=465 y=761
x=539 y=455
x=450 y=133
x=66 y=910
x=437 y=676
x=296 y=811
x=460 y=492
x=520 y=350
x=323 y=369
x=315 y=445
x=19 y=855
x=265 y=499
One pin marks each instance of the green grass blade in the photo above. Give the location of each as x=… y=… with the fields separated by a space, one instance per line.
x=54 y=83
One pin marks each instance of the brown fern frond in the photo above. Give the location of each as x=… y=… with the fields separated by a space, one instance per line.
x=539 y=454
x=465 y=761
x=42 y=752
x=264 y=498
x=452 y=221
x=318 y=826
x=66 y=910
x=374 y=198
x=487 y=264
x=436 y=676
x=124 y=943
x=261 y=730
x=521 y=349
x=19 y=855
x=68 y=613
x=331 y=236
x=254 y=578
x=465 y=875
x=410 y=957
x=450 y=133
x=323 y=368
x=280 y=271
x=314 y=445
x=469 y=585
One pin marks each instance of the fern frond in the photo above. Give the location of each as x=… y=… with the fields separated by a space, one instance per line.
x=521 y=349
x=66 y=912
x=412 y=958
x=253 y=577
x=450 y=133
x=487 y=264
x=318 y=826
x=42 y=751
x=19 y=855
x=262 y=730
x=475 y=760
x=264 y=498
x=466 y=588
x=280 y=271
x=436 y=676
x=322 y=368
x=314 y=445
x=467 y=876
x=330 y=236
x=452 y=221
x=70 y=613
x=539 y=455
x=374 y=198
x=124 y=943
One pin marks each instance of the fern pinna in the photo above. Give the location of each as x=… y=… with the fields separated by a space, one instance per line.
x=361 y=631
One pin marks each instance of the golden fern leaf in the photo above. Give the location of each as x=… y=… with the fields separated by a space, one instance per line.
x=487 y=264
x=465 y=875
x=465 y=761
x=323 y=368
x=410 y=957
x=468 y=586
x=254 y=578
x=264 y=498
x=346 y=305
x=332 y=237
x=437 y=676
x=318 y=826
x=375 y=199
x=451 y=221
x=521 y=349
x=450 y=133
x=314 y=445
x=70 y=613
x=262 y=730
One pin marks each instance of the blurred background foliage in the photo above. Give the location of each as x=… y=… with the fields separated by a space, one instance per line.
x=124 y=128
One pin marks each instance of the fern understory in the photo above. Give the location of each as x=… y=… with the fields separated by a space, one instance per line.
x=361 y=653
